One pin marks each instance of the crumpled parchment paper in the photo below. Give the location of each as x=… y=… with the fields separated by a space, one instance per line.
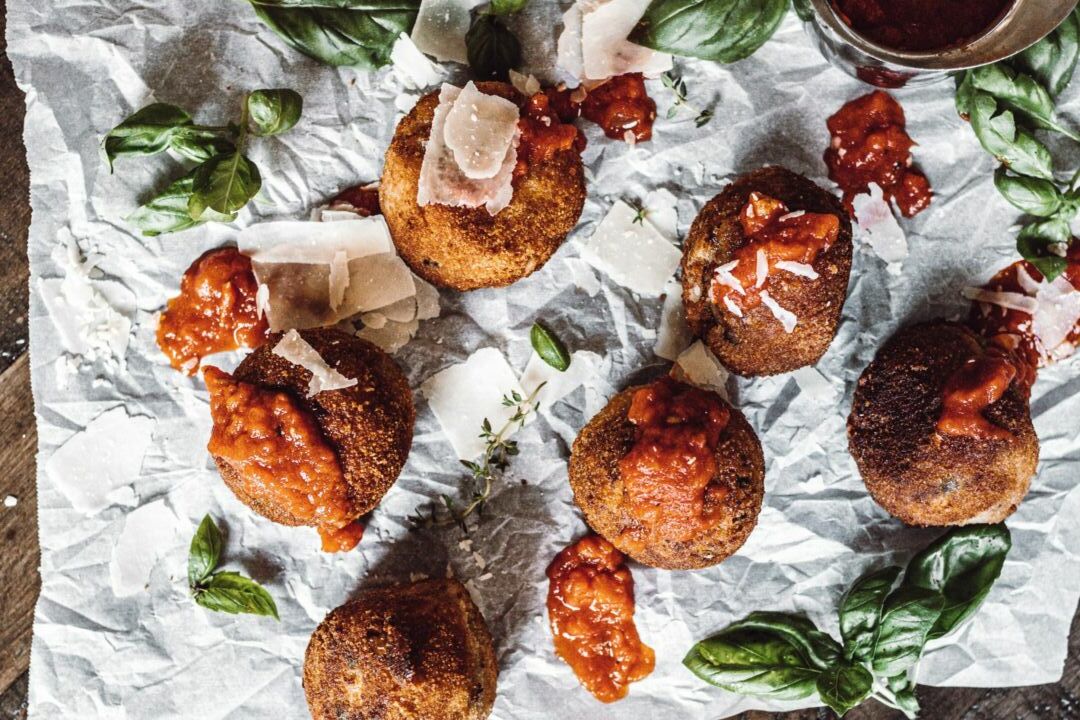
x=116 y=635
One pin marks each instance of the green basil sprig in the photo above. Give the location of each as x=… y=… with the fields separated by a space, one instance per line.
x=340 y=32
x=223 y=591
x=225 y=181
x=1009 y=101
x=720 y=30
x=886 y=619
x=493 y=50
x=548 y=346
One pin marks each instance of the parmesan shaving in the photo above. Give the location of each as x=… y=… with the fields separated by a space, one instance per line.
x=732 y=307
x=698 y=366
x=879 y=228
x=409 y=63
x=1028 y=283
x=527 y=85
x=293 y=348
x=724 y=277
x=148 y=532
x=441 y=26
x=479 y=131
x=786 y=317
x=1008 y=300
x=633 y=254
x=797 y=268
x=594 y=44
x=674 y=334
x=762 y=269
x=1057 y=315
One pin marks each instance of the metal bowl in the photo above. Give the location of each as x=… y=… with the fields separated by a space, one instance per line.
x=1025 y=23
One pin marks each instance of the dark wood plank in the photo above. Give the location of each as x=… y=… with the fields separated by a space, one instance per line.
x=19 y=577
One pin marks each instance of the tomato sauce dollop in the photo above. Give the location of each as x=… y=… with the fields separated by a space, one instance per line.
x=590 y=606
x=546 y=129
x=921 y=25
x=870 y=145
x=281 y=456
x=970 y=390
x=214 y=312
x=667 y=474
x=620 y=106
x=781 y=235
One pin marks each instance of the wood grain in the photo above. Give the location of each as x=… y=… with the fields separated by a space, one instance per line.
x=19 y=581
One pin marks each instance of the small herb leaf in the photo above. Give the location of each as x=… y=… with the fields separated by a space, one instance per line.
x=906 y=620
x=233 y=593
x=205 y=551
x=860 y=612
x=754 y=662
x=843 y=686
x=274 y=111
x=493 y=50
x=1034 y=196
x=224 y=184
x=961 y=566
x=507 y=7
x=549 y=347
x=720 y=30
x=1036 y=240
x=147 y=132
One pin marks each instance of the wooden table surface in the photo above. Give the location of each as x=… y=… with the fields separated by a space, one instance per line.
x=19 y=581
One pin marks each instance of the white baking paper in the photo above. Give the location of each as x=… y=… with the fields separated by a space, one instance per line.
x=155 y=654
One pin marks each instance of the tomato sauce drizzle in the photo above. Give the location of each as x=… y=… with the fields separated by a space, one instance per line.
x=781 y=235
x=870 y=145
x=214 y=312
x=546 y=129
x=667 y=474
x=921 y=25
x=281 y=456
x=590 y=607
x=970 y=390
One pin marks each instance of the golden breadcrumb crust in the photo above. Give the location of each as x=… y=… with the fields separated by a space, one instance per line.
x=912 y=471
x=406 y=652
x=369 y=425
x=756 y=344
x=465 y=248
x=598 y=489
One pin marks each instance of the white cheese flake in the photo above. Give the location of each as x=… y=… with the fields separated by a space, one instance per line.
x=879 y=228
x=1008 y=300
x=633 y=254
x=674 y=334
x=479 y=131
x=527 y=85
x=698 y=366
x=148 y=532
x=10 y=501
x=440 y=28
x=786 y=317
x=293 y=348
x=798 y=268
x=762 y=269
x=1057 y=315
x=462 y=396
x=415 y=70
x=732 y=307
x=594 y=43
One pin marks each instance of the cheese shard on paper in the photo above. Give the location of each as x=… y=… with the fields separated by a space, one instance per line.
x=633 y=254
x=299 y=352
x=96 y=467
x=557 y=384
x=441 y=26
x=674 y=335
x=879 y=228
x=319 y=273
x=479 y=131
x=442 y=180
x=416 y=70
x=463 y=396
x=594 y=42
x=698 y=366
x=148 y=532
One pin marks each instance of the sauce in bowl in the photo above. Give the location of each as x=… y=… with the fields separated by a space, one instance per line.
x=921 y=25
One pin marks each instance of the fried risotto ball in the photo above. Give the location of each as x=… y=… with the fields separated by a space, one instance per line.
x=756 y=343
x=688 y=532
x=368 y=425
x=912 y=468
x=419 y=651
x=465 y=248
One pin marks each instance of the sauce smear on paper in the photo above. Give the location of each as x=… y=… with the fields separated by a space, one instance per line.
x=590 y=605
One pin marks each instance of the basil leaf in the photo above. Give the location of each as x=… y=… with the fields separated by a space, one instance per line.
x=492 y=49
x=720 y=30
x=507 y=7
x=205 y=551
x=1020 y=93
x=224 y=184
x=803 y=10
x=233 y=593
x=147 y=132
x=965 y=92
x=1031 y=195
x=753 y=662
x=1013 y=147
x=844 y=686
x=1034 y=241
x=340 y=32
x=906 y=619
x=905 y=701
x=820 y=649
x=549 y=347
x=168 y=211
x=860 y=612
x=961 y=566
x=1052 y=60
x=274 y=111
x=199 y=145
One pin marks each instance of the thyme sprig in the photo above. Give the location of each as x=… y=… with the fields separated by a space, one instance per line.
x=498 y=451
x=677 y=86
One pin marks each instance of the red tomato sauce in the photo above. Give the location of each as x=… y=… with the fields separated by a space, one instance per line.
x=667 y=474
x=781 y=235
x=546 y=129
x=921 y=25
x=970 y=390
x=361 y=199
x=214 y=312
x=281 y=456
x=622 y=108
x=590 y=606
x=870 y=145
